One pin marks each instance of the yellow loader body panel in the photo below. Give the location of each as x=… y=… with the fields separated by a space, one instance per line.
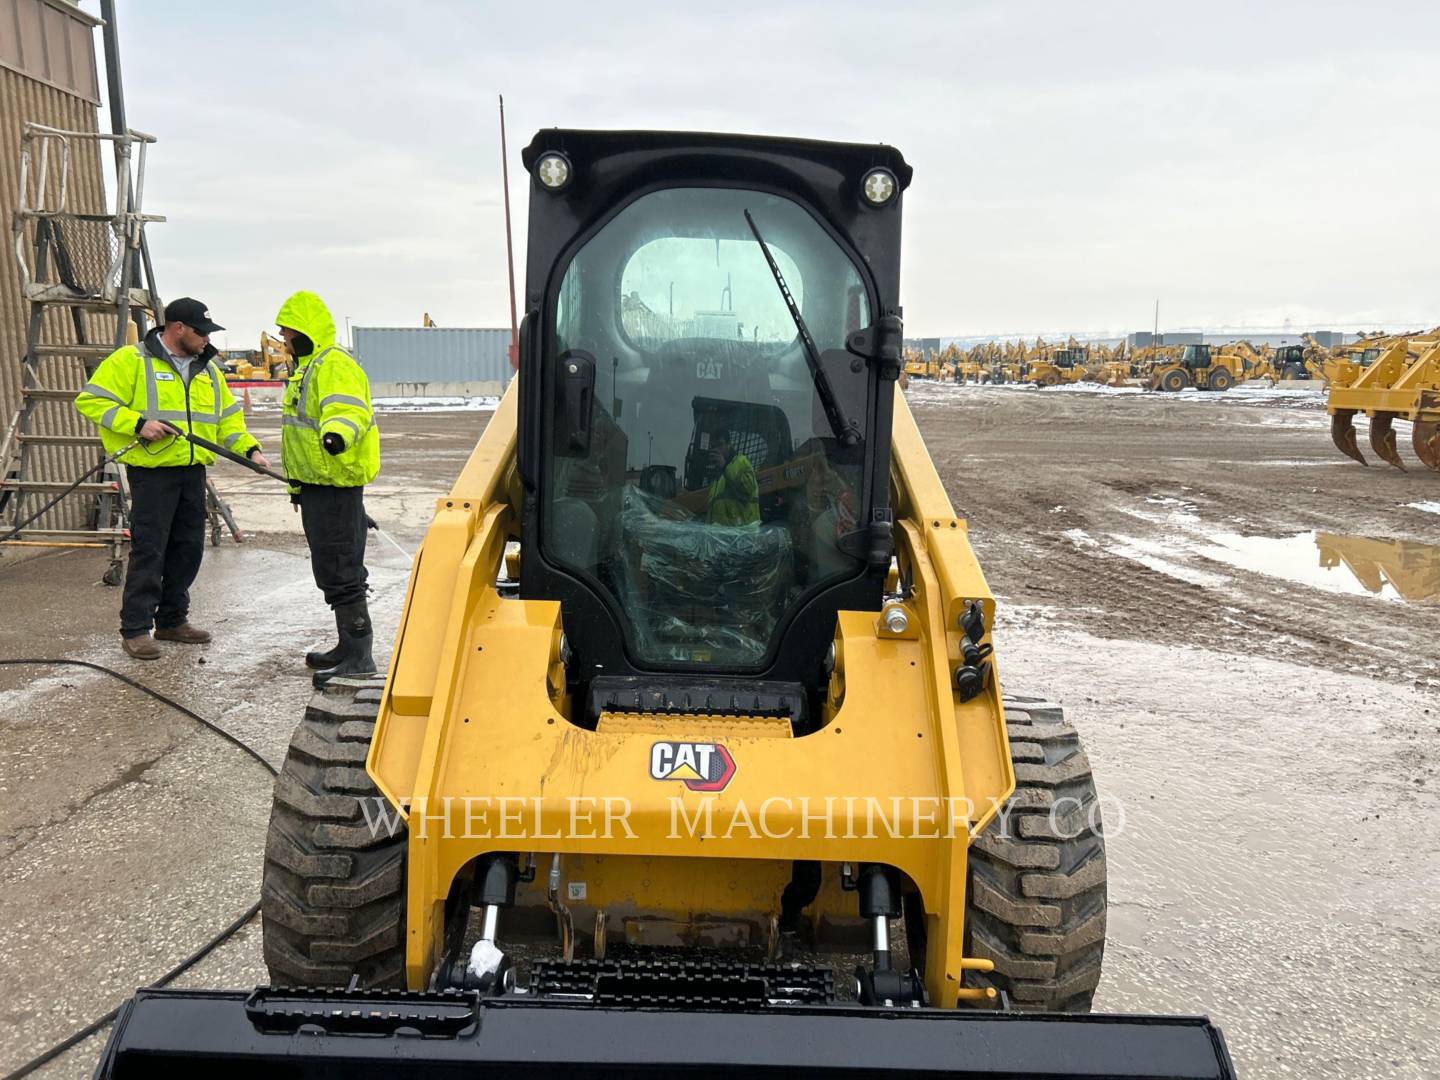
x=473 y=743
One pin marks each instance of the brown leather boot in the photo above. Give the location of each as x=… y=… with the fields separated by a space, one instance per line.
x=141 y=648
x=184 y=633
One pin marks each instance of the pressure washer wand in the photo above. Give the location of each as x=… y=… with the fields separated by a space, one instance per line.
x=241 y=459
x=86 y=476
x=231 y=455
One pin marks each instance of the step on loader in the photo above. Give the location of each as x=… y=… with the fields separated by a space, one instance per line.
x=692 y=758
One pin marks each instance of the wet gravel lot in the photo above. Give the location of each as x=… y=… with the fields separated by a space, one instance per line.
x=1266 y=728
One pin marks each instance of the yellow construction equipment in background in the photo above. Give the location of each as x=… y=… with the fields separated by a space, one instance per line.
x=1056 y=364
x=1114 y=367
x=268 y=363
x=1344 y=364
x=1204 y=367
x=919 y=364
x=1402 y=383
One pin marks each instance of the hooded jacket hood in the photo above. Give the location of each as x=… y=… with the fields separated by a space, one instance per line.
x=307 y=314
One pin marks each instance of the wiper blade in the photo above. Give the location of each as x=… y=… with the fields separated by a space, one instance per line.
x=838 y=423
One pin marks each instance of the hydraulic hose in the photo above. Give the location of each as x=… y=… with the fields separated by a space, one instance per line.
x=194 y=958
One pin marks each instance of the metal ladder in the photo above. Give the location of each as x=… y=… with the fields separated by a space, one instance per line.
x=88 y=277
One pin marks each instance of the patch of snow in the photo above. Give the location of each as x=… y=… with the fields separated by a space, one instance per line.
x=1151 y=554
x=437 y=404
x=1177 y=518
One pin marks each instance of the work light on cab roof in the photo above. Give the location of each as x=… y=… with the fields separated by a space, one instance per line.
x=553 y=170
x=879 y=186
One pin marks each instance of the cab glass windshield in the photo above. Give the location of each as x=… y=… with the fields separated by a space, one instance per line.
x=694 y=476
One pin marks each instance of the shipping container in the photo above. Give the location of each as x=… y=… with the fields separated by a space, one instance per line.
x=434 y=361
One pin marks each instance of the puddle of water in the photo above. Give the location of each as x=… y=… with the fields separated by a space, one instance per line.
x=1355 y=565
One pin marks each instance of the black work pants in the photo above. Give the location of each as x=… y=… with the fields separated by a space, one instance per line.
x=167 y=542
x=334 y=522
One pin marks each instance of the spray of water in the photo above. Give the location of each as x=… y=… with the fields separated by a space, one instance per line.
x=392 y=542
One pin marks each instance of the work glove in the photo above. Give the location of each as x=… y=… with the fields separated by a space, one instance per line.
x=333 y=443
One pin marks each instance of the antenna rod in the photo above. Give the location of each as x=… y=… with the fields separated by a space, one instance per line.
x=509 y=245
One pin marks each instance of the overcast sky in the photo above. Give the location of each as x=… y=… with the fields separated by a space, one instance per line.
x=1246 y=163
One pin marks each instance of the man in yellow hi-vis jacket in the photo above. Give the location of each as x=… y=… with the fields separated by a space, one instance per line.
x=734 y=497
x=331 y=450
x=168 y=382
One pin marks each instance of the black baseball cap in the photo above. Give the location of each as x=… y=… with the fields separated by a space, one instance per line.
x=192 y=313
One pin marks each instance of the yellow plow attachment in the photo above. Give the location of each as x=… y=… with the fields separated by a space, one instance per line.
x=1397 y=386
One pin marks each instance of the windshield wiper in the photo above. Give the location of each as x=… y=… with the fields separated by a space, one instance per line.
x=838 y=423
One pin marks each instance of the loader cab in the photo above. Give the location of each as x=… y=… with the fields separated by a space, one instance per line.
x=1195 y=357
x=1067 y=358
x=1290 y=362
x=708 y=359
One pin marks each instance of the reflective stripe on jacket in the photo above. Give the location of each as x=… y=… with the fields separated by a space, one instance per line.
x=328 y=394
x=136 y=383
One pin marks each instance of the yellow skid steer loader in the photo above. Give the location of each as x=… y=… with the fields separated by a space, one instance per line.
x=692 y=757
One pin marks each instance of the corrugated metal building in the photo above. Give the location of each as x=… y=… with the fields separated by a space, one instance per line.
x=1142 y=339
x=48 y=76
x=434 y=361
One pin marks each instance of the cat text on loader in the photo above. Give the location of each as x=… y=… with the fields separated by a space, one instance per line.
x=725 y=781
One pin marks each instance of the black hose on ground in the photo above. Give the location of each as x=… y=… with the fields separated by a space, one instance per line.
x=205 y=950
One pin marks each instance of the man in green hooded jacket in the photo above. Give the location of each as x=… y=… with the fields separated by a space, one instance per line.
x=330 y=447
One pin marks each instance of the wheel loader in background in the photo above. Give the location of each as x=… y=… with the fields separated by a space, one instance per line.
x=1056 y=364
x=1204 y=367
x=713 y=774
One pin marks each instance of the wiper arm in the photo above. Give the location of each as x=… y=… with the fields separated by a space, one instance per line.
x=838 y=423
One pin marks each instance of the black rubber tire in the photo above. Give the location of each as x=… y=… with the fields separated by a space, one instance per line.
x=333 y=896
x=1221 y=379
x=1172 y=382
x=1035 y=904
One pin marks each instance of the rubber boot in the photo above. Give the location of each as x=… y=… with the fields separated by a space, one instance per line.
x=329 y=658
x=353 y=623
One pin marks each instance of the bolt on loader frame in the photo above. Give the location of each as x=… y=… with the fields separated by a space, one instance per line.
x=694 y=699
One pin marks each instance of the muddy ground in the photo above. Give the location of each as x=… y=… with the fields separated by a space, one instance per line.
x=1266 y=729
